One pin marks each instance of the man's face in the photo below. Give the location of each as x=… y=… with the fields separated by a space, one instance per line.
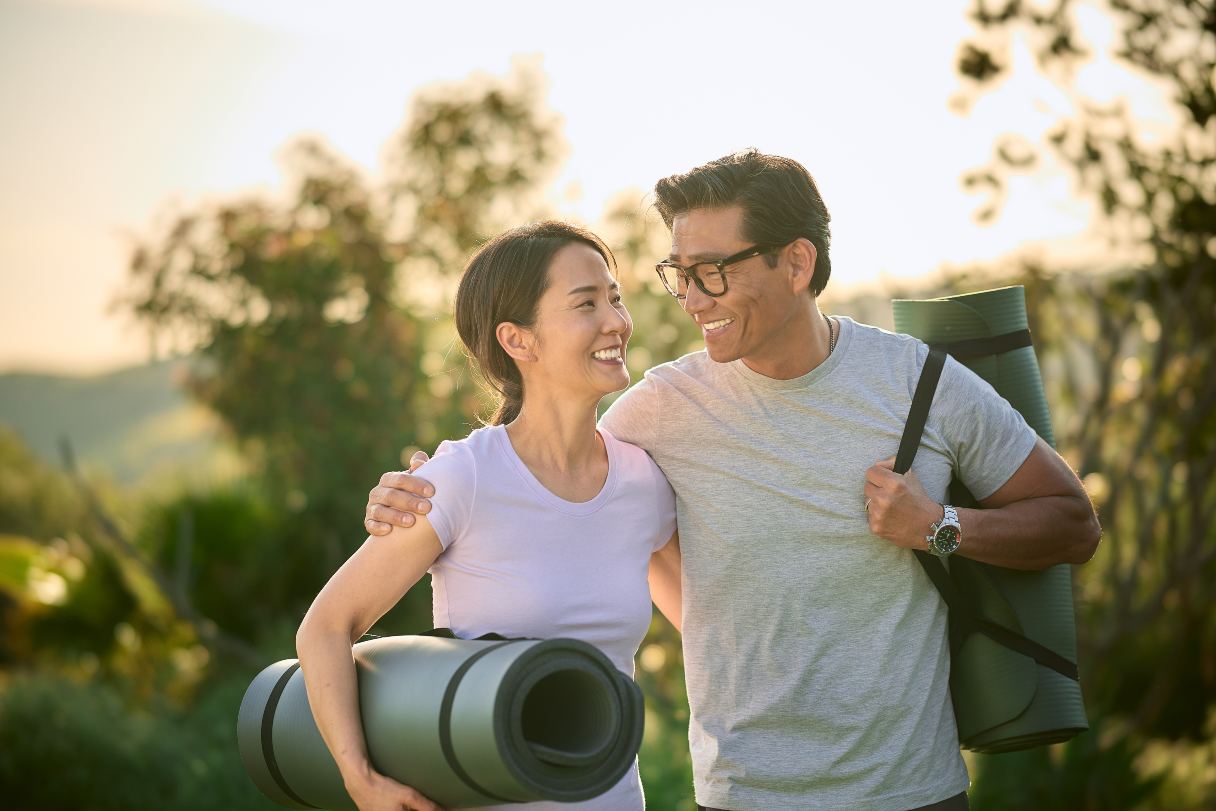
x=746 y=321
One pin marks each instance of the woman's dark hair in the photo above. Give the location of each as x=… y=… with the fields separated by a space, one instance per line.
x=504 y=282
x=779 y=198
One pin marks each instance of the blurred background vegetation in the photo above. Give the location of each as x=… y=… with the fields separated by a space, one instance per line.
x=163 y=528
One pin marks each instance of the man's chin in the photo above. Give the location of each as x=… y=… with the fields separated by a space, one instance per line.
x=721 y=354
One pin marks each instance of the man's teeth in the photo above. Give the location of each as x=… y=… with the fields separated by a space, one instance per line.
x=718 y=324
x=607 y=354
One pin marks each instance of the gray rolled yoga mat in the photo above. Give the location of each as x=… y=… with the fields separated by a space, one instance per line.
x=1004 y=700
x=466 y=722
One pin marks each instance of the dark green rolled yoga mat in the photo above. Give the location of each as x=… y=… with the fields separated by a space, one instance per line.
x=466 y=722
x=1004 y=700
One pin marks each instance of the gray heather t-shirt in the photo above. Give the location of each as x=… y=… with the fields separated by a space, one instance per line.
x=816 y=653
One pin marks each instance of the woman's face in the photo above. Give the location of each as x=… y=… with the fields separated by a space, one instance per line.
x=582 y=327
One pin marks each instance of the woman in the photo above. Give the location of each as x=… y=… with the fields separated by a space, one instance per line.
x=542 y=316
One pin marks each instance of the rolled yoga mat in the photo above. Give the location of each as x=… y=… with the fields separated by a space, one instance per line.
x=1004 y=700
x=466 y=722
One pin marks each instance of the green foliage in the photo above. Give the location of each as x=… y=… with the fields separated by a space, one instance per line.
x=84 y=745
x=34 y=499
x=474 y=158
x=664 y=762
x=1094 y=771
x=1127 y=361
x=304 y=348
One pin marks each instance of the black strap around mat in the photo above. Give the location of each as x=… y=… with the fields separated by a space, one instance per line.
x=272 y=764
x=445 y=715
x=962 y=611
x=994 y=345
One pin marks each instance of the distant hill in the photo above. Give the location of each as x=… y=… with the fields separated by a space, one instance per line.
x=133 y=423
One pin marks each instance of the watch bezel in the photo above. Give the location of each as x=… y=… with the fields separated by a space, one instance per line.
x=946 y=535
x=946 y=539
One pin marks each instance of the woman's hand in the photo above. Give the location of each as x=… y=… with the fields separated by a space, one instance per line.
x=373 y=791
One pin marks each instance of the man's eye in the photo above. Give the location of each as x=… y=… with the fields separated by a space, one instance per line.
x=587 y=303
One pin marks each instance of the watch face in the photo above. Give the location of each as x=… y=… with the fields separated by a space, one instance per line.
x=946 y=539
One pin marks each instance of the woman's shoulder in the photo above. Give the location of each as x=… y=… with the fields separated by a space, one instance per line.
x=479 y=442
x=462 y=455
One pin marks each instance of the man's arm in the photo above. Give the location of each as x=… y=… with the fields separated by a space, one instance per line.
x=1040 y=517
x=400 y=496
x=664 y=578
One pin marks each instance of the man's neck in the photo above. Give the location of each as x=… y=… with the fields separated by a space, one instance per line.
x=800 y=346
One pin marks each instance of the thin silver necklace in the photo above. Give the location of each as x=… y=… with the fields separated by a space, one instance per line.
x=831 y=334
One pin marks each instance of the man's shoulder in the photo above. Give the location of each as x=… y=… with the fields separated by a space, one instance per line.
x=635 y=416
x=669 y=378
x=694 y=366
x=871 y=339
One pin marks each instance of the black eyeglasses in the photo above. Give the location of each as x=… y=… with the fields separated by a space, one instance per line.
x=710 y=277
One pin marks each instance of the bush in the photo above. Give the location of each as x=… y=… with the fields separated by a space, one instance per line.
x=71 y=745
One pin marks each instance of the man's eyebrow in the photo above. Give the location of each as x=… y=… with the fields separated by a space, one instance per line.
x=711 y=256
x=592 y=288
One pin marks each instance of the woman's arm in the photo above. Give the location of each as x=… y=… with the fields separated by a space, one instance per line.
x=371 y=582
x=664 y=580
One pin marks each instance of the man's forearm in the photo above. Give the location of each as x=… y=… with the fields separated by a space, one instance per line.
x=1031 y=534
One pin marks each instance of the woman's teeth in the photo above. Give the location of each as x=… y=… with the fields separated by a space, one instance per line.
x=717 y=324
x=607 y=354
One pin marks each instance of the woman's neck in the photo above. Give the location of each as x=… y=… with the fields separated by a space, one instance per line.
x=557 y=436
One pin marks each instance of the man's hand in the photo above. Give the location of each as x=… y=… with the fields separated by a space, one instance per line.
x=897 y=506
x=397 y=498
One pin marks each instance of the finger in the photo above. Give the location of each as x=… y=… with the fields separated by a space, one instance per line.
x=387 y=515
x=374 y=527
x=881 y=476
x=400 y=480
x=398 y=500
x=417 y=460
x=414 y=800
x=888 y=463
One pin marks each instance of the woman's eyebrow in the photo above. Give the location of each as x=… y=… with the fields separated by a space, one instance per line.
x=592 y=288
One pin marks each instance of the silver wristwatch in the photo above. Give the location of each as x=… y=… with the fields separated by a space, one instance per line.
x=945 y=536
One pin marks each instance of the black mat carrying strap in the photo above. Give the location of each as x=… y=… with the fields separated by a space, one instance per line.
x=963 y=614
x=980 y=347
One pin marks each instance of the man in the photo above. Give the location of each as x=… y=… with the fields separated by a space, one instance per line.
x=814 y=646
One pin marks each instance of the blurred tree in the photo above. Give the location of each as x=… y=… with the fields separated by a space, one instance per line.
x=1129 y=355
x=474 y=158
x=312 y=364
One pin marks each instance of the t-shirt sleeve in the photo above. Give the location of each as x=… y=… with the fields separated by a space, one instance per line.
x=987 y=437
x=634 y=417
x=453 y=472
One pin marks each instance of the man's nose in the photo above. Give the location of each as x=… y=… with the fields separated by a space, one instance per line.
x=695 y=301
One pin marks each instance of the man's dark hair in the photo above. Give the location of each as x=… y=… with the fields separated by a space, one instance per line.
x=779 y=199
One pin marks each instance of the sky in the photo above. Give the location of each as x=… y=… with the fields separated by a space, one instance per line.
x=115 y=112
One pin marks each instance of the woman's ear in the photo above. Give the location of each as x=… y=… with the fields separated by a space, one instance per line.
x=516 y=341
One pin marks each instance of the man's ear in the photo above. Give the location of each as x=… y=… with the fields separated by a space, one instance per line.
x=516 y=341
x=801 y=257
